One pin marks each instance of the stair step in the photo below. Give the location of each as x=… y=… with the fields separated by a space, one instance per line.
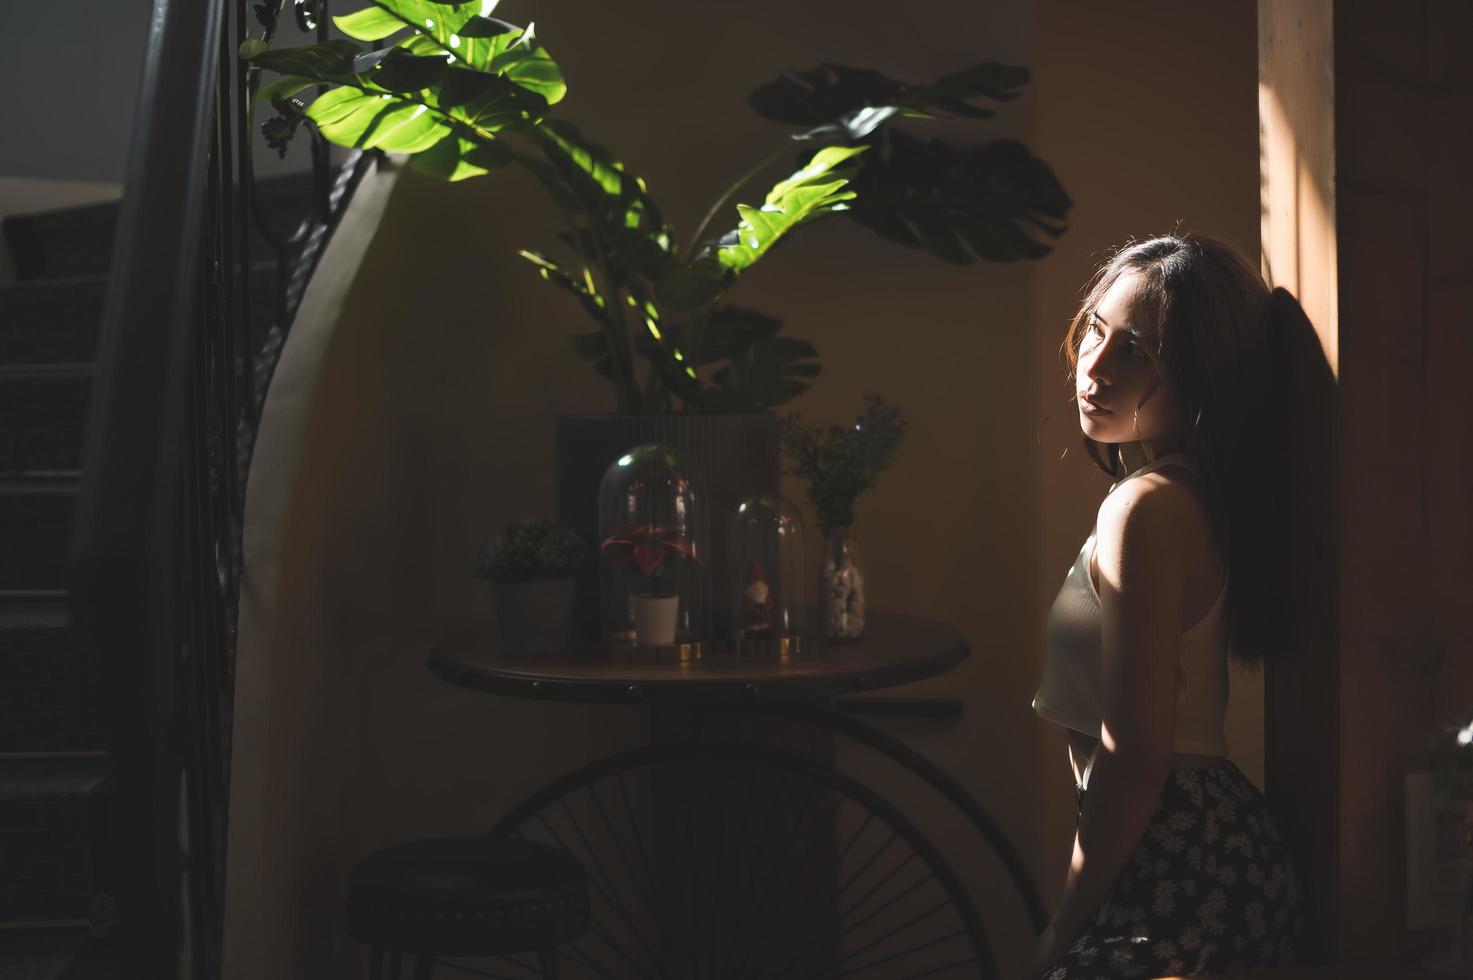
x=53 y=823
x=55 y=321
x=46 y=777
x=51 y=684
x=22 y=609
x=79 y=241
x=35 y=524
x=52 y=320
x=66 y=242
x=46 y=951
x=42 y=419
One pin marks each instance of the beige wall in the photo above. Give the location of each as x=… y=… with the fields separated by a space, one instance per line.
x=433 y=419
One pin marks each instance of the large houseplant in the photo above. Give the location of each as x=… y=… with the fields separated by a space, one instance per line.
x=463 y=94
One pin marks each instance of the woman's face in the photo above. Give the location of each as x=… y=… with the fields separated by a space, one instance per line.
x=1118 y=390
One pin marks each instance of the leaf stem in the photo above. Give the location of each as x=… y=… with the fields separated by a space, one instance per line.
x=613 y=323
x=698 y=336
x=731 y=191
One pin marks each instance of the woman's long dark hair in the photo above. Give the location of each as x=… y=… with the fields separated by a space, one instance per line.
x=1219 y=348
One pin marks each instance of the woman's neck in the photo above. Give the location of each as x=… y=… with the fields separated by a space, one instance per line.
x=1133 y=455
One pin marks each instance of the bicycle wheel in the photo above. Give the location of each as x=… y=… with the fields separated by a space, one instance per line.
x=715 y=860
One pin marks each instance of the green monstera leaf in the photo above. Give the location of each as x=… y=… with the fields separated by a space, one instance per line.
x=581 y=289
x=384 y=18
x=821 y=186
x=396 y=100
x=996 y=202
x=837 y=102
x=462 y=32
x=617 y=202
x=495 y=46
x=456 y=158
x=765 y=374
x=624 y=232
x=732 y=330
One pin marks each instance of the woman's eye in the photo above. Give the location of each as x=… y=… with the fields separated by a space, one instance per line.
x=1137 y=352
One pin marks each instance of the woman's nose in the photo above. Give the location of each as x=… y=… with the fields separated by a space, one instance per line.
x=1093 y=365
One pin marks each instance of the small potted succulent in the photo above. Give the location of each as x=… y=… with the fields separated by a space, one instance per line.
x=532 y=566
x=655 y=554
x=839 y=464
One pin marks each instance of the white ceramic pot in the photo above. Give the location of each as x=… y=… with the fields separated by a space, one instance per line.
x=654 y=619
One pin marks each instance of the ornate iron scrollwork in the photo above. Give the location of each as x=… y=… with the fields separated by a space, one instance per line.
x=244 y=324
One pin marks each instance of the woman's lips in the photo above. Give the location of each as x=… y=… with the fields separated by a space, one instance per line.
x=1091 y=408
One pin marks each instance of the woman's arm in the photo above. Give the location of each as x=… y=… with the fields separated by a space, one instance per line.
x=1143 y=559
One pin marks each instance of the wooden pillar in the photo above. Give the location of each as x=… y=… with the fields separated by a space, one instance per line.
x=1364 y=113
x=1301 y=704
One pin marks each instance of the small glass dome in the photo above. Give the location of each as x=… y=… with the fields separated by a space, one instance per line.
x=768 y=604
x=653 y=553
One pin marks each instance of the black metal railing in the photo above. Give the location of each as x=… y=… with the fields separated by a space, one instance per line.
x=186 y=352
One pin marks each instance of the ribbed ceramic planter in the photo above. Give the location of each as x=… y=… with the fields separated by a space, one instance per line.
x=730 y=456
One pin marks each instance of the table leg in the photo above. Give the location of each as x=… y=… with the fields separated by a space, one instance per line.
x=762 y=820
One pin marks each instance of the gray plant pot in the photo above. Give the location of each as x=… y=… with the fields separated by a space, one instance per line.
x=731 y=457
x=535 y=617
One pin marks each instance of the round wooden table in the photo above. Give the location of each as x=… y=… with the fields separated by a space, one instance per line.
x=692 y=821
x=895 y=649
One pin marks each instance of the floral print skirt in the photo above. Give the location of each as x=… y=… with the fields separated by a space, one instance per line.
x=1211 y=888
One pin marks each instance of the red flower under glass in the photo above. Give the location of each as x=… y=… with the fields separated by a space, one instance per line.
x=646 y=547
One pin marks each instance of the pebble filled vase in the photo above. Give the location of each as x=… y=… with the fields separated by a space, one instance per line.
x=840 y=585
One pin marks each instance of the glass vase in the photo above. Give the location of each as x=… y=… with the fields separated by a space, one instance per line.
x=841 y=585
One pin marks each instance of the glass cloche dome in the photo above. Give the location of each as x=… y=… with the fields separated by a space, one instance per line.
x=653 y=553
x=768 y=604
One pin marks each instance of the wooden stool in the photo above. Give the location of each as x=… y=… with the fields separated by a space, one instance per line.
x=466 y=896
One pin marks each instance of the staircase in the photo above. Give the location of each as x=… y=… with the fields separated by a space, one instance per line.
x=55 y=772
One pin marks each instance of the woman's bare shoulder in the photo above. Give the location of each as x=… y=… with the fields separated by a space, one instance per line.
x=1164 y=508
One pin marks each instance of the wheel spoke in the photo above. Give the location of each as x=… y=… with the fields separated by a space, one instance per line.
x=599 y=885
x=577 y=955
x=690 y=948
x=779 y=882
x=783 y=896
x=535 y=971
x=895 y=956
x=839 y=895
x=883 y=906
x=466 y=968
x=644 y=858
x=641 y=881
x=969 y=961
x=713 y=913
x=748 y=888
x=859 y=903
x=793 y=892
x=611 y=893
x=893 y=932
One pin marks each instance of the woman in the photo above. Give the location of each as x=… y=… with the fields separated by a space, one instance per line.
x=1178 y=866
